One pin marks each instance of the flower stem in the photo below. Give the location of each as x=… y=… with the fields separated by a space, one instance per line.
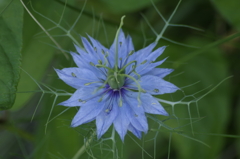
x=84 y=147
x=113 y=142
x=40 y=25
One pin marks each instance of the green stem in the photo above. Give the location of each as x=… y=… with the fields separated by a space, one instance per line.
x=40 y=25
x=113 y=143
x=167 y=23
x=84 y=147
x=204 y=49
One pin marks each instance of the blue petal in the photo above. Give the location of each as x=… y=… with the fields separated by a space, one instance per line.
x=78 y=60
x=135 y=131
x=122 y=45
x=77 y=77
x=155 y=85
x=85 y=63
x=145 y=63
x=151 y=105
x=97 y=44
x=160 y=72
x=79 y=50
x=82 y=61
x=122 y=49
x=148 y=67
x=91 y=52
x=155 y=54
x=139 y=56
x=88 y=112
x=130 y=46
x=129 y=82
x=121 y=122
x=81 y=96
x=85 y=57
x=100 y=49
x=136 y=113
x=105 y=119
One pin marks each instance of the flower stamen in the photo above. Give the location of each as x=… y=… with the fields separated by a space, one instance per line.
x=73 y=74
x=156 y=90
x=138 y=86
x=86 y=84
x=104 y=84
x=82 y=101
x=116 y=48
x=129 y=54
x=120 y=99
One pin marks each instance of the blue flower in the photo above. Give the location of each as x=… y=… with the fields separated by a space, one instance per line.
x=117 y=85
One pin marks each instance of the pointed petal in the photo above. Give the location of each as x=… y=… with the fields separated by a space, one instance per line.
x=87 y=46
x=148 y=67
x=80 y=50
x=121 y=42
x=88 y=112
x=130 y=45
x=105 y=119
x=78 y=59
x=121 y=122
x=81 y=96
x=122 y=48
x=91 y=52
x=155 y=54
x=81 y=73
x=151 y=105
x=145 y=52
x=83 y=57
x=141 y=55
x=155 y=85
x=83 y=62
x=99 y=49
x=136 y=132
x=145 y=63
x=160 y=72
x=139 y=122
x=136 y=113
x=77 y=77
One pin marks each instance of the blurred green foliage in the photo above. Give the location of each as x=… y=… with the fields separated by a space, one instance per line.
x=21 y=138
x=11 y=23
x=229 y=10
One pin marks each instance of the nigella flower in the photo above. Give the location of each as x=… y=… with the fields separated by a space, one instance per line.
x=117 y=85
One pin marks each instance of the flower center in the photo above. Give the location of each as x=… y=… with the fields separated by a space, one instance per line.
x=116 y=80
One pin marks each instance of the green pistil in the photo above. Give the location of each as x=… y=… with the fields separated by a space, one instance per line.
x=116 y=81
x=116 y=51
x=138 y=86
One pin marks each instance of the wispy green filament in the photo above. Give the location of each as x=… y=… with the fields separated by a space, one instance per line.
x=116 y=49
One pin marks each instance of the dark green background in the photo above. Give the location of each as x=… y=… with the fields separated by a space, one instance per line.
x=24 y=45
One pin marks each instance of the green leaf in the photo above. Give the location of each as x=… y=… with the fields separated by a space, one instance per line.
x=230 y=10
x=11 y=23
